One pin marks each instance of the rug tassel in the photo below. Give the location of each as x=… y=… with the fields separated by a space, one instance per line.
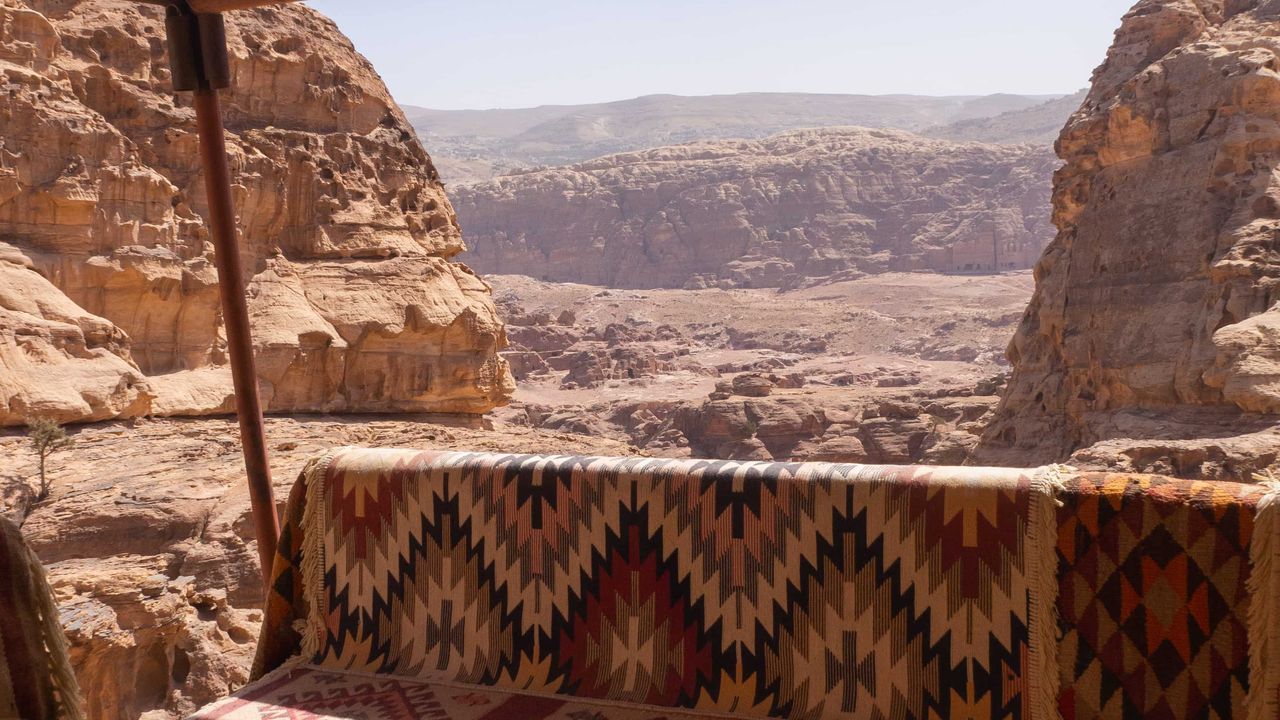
x=64 y=680
x=1263 y=615
x=1042 y=560
x=313 y=555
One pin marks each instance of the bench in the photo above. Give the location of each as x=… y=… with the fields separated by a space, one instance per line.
x=462 y=586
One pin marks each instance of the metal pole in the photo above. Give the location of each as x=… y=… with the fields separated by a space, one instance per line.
x=198 y=54
x=235 y=315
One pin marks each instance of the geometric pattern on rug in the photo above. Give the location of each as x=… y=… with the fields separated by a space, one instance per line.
x=762 y=589
x=308 y=693
x=1153 y=597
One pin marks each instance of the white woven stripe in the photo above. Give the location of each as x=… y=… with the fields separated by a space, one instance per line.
x=1042 y=575
x=1264 y=607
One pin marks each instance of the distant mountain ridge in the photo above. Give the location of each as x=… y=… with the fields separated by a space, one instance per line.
x=475 y=145
x=1036 y=124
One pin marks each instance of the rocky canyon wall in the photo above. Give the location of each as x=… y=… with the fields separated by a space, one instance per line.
x=765 y=213
x=1153 y=339
x=108 y=296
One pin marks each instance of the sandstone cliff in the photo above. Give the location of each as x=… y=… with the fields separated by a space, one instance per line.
x=108 y=297
x=1153 y=338
x=766 y=213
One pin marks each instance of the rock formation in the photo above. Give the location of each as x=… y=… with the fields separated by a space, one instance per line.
x=476 y=145
x=888 y=368
x=1153 y=339
x=345 y=229
x=768 y=213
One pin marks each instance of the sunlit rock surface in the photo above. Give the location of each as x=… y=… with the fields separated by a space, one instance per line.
x=1152 y=341
x=766 y=213
x=346 y=232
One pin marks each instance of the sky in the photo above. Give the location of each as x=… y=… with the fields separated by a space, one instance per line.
x=473 y=54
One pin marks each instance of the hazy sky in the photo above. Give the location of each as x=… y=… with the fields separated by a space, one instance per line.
x=503 y=53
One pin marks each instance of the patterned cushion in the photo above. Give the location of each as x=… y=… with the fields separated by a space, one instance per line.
x=1153 y=597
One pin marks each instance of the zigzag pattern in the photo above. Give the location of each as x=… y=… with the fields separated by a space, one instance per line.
x=782 y=590
x=1154 y=597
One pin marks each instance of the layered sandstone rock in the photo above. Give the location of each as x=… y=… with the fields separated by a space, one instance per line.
x=55 y=358
x=345 y=229
x=768 y=213
x=1152 y=339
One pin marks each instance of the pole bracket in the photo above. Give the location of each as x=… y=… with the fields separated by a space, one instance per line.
x=198 y=58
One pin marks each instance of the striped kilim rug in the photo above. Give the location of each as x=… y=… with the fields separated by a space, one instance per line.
x=311 y=693
x=538 y=586
x=1154 y=598
x=801 y=590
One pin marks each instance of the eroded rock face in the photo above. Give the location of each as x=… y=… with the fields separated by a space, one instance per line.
x=44 y=336
x=767 y=213
x=1156 y=299
x=345 y=229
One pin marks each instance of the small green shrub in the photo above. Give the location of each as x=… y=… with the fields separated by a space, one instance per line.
x=47 y=437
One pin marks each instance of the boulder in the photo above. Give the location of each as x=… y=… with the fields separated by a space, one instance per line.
x=752 y=385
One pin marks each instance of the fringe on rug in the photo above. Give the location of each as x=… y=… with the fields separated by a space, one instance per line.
x=1042 y=571
x=65 y=687
x=313 y=554
x=1264 y=617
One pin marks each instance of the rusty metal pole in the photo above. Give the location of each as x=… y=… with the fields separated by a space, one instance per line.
x=235 y=315
x=198 y=54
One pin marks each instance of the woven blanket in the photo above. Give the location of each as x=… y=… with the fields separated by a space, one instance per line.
x=310 y=693
x=1154 y=598
x=781 y=590
x=36 y=682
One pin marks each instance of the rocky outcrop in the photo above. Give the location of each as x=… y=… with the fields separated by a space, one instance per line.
x=768 y=213
x=345 y=229
x=1152 y=339
x=55 y=358
x=910 y=428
